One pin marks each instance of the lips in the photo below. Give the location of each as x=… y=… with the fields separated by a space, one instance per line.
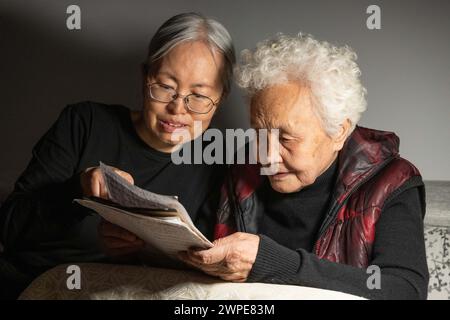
x=171 y=126
x=176 y=124
x=281 y=175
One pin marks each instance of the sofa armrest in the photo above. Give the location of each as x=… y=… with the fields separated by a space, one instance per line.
x=438 y=203
x=107 y=281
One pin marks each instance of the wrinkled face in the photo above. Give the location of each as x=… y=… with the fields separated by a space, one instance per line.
x=188 y=68
x=305 y=149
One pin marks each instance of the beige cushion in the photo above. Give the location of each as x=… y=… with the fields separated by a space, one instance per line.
x=105 y=281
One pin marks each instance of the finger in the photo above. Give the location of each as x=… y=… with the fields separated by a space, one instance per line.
x=116 y=243
x=122 y=251
x=108 y=229
x=99 y=184
x=206 y=269
x=185 y=258
x=211 y=256
x=118 y=232
x=85 y=182
x=102 y=190
x=235 y=277
x=240 y=280
x=199 y=263
x=94 y=188
x=214 y=270
x=124 y=175
x=189 y=262
x=212 y=273
x=93 y=180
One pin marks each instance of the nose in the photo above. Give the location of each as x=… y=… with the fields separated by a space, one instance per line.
x=269 y=148
x=273 y=152
x=270 y=158
x=177 y=106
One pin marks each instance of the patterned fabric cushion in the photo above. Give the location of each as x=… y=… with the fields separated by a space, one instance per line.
x=437 y=240
x=106 y=281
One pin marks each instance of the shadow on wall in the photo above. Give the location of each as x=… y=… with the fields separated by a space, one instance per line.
x=44 y=69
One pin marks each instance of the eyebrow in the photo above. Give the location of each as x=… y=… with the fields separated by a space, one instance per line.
x=195 y=85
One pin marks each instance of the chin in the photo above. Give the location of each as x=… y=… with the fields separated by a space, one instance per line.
x=284 y=186
x=166 y=138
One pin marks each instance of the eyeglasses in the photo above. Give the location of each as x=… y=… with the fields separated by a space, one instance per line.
x=196 y=103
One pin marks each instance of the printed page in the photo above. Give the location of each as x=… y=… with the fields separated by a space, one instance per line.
x=169 y=235
x=128 y=195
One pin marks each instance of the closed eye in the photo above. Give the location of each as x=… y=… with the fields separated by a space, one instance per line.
x=165 y=86
x=285 y=140
x=198 y=96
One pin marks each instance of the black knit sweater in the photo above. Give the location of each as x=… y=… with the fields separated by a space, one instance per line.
x=288 y=231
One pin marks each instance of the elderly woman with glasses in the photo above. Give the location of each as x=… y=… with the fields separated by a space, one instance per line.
x=186 y=76
x=343 y=211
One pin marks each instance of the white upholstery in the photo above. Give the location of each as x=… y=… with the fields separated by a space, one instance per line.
x=104 y=281
x=132 y=282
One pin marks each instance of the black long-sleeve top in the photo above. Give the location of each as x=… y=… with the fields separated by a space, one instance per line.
x=288 y=230
x=41 y=227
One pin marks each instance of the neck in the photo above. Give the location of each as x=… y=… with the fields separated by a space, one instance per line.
x=324 y=182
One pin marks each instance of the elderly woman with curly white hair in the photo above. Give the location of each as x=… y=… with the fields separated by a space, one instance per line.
x=343 y=211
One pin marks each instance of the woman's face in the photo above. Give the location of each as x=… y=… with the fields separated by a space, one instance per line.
x=189 y=68
x=305 y=149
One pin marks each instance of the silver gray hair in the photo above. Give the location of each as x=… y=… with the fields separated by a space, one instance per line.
x=330 y=72
x=194 y=27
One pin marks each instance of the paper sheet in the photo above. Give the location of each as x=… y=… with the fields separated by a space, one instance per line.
x=169 y=235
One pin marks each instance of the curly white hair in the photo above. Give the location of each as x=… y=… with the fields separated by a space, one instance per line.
x=330 y=72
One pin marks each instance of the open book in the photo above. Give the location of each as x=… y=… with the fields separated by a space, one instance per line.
x=161 y=221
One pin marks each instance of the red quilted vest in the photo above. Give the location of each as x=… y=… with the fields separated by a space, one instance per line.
x=370 y=171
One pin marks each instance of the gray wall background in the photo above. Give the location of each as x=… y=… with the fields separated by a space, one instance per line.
x=43 y=66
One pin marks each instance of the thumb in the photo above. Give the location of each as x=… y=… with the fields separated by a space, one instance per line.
x=213 y=255
x=125 y=175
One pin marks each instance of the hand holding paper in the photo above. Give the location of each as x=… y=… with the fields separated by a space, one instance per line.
x=160 y=221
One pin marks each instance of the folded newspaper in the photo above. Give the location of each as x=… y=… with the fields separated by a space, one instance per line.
x=160 y=220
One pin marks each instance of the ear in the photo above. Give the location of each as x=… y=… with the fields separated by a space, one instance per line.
x=340 y=137
x=218 y=104
x=219 y=101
